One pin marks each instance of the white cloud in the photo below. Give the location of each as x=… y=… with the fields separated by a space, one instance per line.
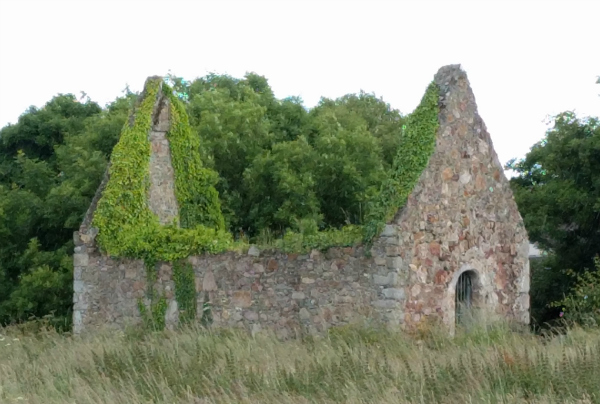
x=525 y=59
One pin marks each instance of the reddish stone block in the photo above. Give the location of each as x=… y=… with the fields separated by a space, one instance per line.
x=241 y=298
x=447 y=174
x=432 y=217
x=272 y=265
x=435 y=248
x=480 y=182
x=440 y=277
x=501 y=278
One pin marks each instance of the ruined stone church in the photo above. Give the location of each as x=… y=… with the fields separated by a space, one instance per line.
x=459 y=241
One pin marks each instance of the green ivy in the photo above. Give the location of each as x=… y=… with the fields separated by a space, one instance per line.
x=185 y=291
x=155 y=319
x=417 y=146
x=127 y=227
x=194 y=184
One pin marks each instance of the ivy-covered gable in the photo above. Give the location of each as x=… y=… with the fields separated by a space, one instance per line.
x=127 y=226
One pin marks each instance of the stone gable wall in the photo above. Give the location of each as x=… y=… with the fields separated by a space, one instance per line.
x=161 y=198
x=462 y=216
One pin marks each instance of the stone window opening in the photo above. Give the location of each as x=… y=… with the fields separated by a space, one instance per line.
x=465 y=299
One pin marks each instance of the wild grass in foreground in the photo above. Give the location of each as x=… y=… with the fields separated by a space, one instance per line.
x=489 y=364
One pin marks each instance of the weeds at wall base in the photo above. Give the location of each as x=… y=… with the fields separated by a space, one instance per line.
x=153 y=319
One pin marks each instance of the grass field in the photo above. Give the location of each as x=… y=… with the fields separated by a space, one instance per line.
x=489 y=364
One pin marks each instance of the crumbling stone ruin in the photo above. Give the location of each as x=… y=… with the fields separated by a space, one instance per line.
x=458 y=239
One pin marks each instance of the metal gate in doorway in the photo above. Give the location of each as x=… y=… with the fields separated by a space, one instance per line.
x=464 y=297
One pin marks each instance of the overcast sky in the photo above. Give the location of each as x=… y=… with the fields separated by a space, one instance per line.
x=525 y=59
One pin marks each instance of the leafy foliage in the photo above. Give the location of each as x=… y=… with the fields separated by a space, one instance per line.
x=557 y=189
x=280 y=186
x=51 y=163
x=126 y=225
x=417 y=145
x=185 y=291
x=230 y=120
x=322 y=166
x=194 y=185
x=309 y=238
x=582 y=304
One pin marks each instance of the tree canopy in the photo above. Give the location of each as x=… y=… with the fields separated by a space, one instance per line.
x=557 y=189
x=51 y=163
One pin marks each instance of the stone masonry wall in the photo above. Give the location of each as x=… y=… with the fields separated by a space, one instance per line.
x=462 y=216
x=286 y=293
x=161 y=198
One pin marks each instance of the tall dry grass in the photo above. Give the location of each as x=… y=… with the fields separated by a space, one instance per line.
x=487 y=364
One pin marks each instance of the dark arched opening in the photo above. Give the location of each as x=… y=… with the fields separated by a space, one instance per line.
x=464 y=296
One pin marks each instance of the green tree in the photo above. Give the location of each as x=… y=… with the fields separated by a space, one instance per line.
x=372 y=113
x=356 y=138
x=349 y=171
x=557 y=189
x=280 y=187
x=582 y=303
x=51 y=163
x=233 y=129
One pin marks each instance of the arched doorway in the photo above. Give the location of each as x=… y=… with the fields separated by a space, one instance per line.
x=464 y=297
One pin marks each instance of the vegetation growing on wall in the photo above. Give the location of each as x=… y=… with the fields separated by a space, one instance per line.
x=305 y=241
x=194 y=184
x=417 y=145
x=153 y=317
x=127 y=227
x=185 y=291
